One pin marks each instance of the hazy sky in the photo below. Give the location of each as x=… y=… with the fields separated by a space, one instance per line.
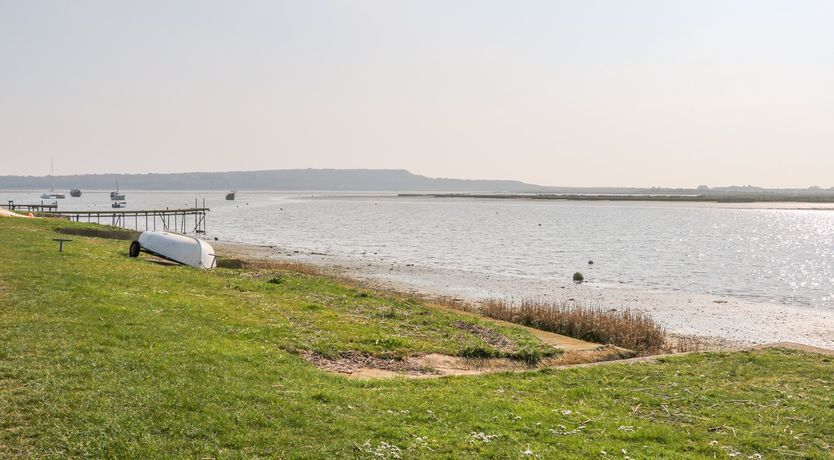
x=559 y=93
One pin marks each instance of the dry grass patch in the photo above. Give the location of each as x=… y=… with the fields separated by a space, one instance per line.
x=488 y=335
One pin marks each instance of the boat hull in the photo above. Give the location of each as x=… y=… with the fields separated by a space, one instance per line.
x=179 y=248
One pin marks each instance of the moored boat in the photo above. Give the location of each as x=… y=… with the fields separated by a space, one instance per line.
x=75 y=193
x=231 y=195
x=117 y=196
x=52 y=195
x=119 y=204
x=183 y=249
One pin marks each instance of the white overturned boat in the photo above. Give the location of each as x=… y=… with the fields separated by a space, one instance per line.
x=184 y=249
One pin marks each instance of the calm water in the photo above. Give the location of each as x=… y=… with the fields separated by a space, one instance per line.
x=784 y=256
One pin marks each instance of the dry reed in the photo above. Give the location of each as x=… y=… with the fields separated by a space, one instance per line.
x=624 y=328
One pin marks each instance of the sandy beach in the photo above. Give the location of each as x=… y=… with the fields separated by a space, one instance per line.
x=723 y=321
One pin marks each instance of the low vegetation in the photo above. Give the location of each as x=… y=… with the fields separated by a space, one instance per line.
x=106 y=356
x=622 y=327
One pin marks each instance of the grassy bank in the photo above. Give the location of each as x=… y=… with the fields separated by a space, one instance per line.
x=107 y=356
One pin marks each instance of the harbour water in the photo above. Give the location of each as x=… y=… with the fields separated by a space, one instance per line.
x=783 y=256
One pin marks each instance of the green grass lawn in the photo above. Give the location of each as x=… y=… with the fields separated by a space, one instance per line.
x=106 y=356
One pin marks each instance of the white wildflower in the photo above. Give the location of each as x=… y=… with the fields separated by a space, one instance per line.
x=421 y=442
x=383 y=450
x=480 y=436
x=528 y=453
x=563 y=430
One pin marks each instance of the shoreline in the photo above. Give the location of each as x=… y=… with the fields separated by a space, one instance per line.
x=723 y=322
x=818 y=198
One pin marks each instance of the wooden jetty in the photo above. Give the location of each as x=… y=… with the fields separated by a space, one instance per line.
x=182 y=220
x=186 y=220
x=12 y=206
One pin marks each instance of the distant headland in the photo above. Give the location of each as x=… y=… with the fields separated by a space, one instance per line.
x=400 y=180
x=283 y=179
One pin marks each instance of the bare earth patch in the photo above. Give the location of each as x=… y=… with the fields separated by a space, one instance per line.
x=358 y=365
x=354 y=363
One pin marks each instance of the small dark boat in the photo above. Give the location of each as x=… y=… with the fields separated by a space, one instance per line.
x=231 y=196
x=75 y=193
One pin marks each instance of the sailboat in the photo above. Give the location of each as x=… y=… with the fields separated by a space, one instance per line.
x=51 y=193
x=116 y=196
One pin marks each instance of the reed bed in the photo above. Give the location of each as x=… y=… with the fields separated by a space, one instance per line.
x=622 y=327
